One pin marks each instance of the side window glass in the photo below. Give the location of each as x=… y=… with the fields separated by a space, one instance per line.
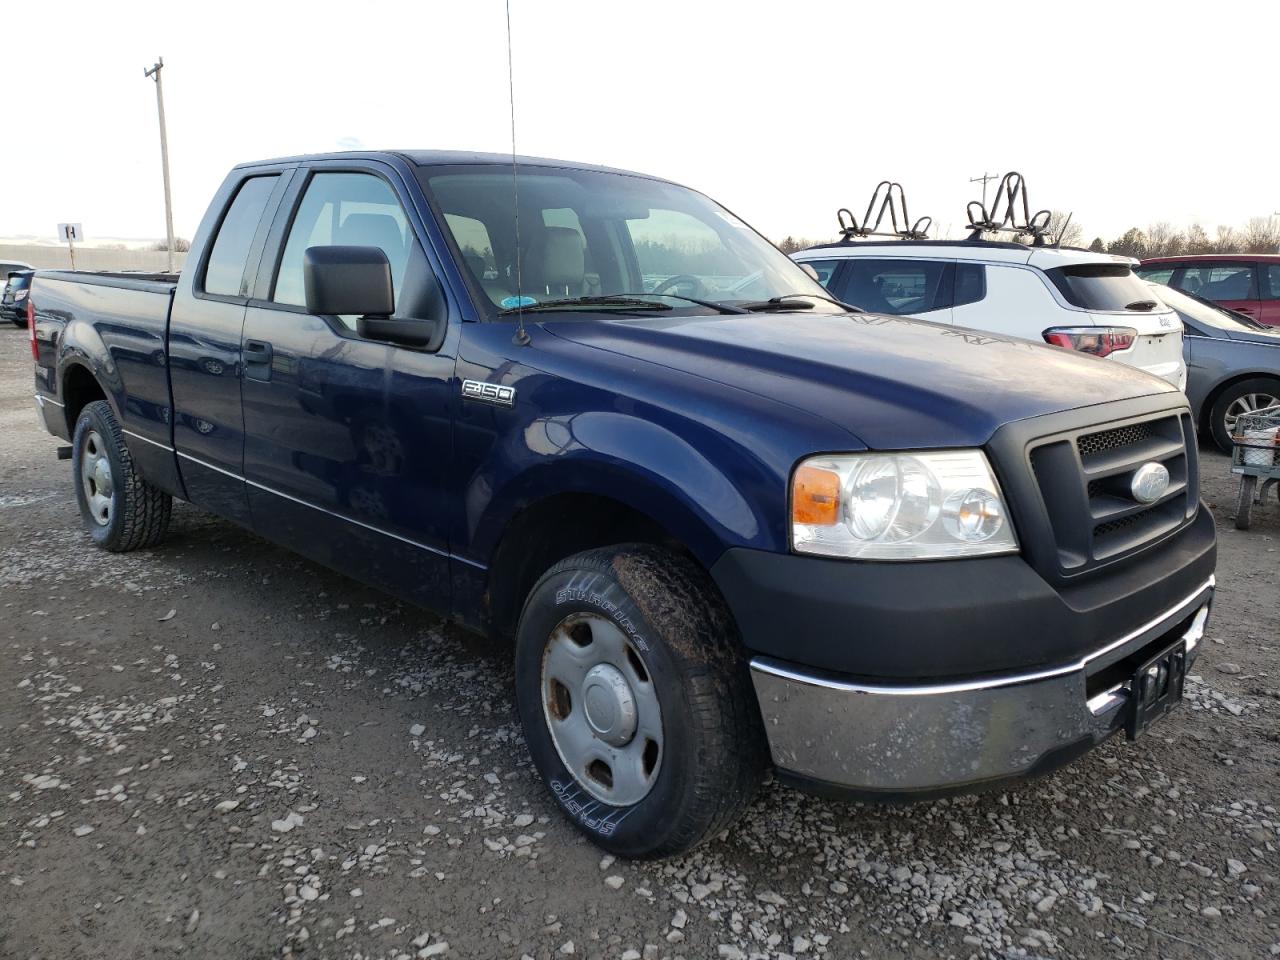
x=898 y=286
x=344 y=209
x=825 y=269
x=1155 y=274
x=225 y=273
x=971 y=283
x=1271 y=288
x=1219 y=281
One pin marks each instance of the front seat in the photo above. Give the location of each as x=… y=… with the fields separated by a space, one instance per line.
x=564 y=262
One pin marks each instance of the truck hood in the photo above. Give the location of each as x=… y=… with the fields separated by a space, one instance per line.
x=892 y=382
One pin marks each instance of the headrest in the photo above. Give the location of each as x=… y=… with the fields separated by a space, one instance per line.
x=372 y=230
x=563 y=258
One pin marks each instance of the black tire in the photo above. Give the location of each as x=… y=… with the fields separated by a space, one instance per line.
x=1261 y=386
x=1244 y=502
x=714 y=754
x=20 y=324
x=138 y=512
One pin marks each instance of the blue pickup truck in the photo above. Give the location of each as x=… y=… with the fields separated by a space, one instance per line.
x=734 y=529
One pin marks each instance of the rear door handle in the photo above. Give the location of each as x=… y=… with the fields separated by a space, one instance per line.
x=256 y=355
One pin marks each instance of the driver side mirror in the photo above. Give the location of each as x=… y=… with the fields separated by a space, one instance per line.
x=357 y=281
x=348 y=280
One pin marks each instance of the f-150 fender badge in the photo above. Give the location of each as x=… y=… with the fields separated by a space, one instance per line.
x=498 y=394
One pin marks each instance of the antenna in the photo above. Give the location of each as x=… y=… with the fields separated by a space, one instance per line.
x=521 y=338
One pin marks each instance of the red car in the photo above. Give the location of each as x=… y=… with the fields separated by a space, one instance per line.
x=1248 y=283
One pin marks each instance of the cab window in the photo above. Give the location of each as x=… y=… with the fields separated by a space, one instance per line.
x=343 y=209
x=224 y=274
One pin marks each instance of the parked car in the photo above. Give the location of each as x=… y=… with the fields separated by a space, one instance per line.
x=13 y=266
x=1247 y=283
x=695 y=516
x=1090 y=302
x=13 y=301
x=1233 y=363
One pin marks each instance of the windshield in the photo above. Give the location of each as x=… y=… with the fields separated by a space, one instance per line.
x=1206 y=314
x=590 y=234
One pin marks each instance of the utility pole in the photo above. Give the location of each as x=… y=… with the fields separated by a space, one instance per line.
x=984 y=178
x=154 y=73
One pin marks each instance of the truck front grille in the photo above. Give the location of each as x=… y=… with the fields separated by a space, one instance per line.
x=1085 y=482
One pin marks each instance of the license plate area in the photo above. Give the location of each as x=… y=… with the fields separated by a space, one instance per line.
x=1155 y=687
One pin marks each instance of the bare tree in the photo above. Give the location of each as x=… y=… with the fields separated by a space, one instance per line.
x=1164 y=240
x=180 y=245
x=1065 y=230
x=1261 y=235
x=1227 y=240
x=1197 y=240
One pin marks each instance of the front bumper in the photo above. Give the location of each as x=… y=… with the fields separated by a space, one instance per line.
x=833 y=734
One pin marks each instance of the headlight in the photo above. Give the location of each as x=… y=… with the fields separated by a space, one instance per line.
x=899 y=506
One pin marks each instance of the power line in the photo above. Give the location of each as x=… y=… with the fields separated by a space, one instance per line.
x=985 y=178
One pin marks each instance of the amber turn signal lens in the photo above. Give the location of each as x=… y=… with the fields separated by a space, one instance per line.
x=815 y=497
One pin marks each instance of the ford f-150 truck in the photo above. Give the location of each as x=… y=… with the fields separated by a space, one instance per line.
x=734 y=527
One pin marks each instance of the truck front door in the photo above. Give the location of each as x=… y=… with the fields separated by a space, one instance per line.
x=347 y=440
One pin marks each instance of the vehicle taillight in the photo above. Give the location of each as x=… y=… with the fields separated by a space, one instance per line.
x=1095 y=341
x=31 y=329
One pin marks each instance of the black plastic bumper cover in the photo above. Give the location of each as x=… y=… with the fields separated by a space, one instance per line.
x=949 y=618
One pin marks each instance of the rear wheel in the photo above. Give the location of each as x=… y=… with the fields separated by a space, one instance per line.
x=636 y=701
x=120 y=510
x=1235 y=401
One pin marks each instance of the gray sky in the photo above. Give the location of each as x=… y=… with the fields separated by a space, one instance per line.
x=1123 y=113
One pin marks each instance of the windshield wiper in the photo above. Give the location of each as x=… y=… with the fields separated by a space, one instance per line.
x=1141 y=305
x=788 y=302
x=720 y=307
x=599 y=303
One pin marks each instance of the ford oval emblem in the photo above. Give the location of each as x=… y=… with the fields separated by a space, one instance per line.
x=1149 y=483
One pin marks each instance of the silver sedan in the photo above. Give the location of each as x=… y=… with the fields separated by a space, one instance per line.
x=1233 y=363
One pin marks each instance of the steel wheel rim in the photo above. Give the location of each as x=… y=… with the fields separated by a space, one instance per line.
x=601 y=709
x=96 y=479
x=1244 y=405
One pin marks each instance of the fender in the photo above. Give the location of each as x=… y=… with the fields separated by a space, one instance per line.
x=704 y=503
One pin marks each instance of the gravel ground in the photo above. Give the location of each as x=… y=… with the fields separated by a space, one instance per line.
x=219 y=749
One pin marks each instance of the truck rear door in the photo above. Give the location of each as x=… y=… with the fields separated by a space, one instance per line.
x=204 y=341
x=347 y=440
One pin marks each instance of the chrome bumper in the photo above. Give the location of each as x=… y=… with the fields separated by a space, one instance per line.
x=902 y=739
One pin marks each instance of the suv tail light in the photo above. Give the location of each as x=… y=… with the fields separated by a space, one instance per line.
x=1095 y=341
x=31 y=329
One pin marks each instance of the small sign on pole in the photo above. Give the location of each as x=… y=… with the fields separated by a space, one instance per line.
x=69 y=233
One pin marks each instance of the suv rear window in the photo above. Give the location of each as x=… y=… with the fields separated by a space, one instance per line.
x=1101 y=286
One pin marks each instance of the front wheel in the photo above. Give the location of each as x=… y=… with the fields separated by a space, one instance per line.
x=636 y=701
x=120 y=510
x=1240 y=399
x=1244 y=502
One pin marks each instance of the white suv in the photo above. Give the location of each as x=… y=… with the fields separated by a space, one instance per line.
x=1091 y=302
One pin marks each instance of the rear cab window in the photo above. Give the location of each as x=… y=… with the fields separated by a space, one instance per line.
x=1102 y=286
x=225 y=273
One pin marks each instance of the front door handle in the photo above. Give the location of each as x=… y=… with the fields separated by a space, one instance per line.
x=256 y=355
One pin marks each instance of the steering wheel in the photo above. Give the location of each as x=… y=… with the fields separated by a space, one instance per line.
x=671 y=282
